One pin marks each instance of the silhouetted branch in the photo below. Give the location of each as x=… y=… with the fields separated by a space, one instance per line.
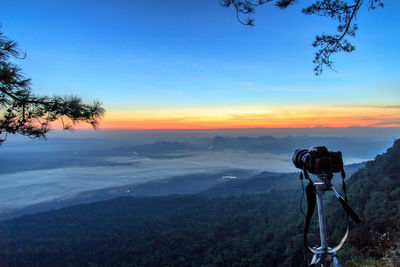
x=22 y=112
x=339 y=10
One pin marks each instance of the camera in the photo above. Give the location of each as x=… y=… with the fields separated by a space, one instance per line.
x=318 y=160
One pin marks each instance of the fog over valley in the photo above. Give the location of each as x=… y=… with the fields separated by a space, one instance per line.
x=33 y=172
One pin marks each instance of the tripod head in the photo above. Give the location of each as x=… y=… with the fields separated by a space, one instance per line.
x=325 y=177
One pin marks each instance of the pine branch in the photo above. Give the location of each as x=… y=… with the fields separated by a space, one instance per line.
x=339 y=10
x=22 y=112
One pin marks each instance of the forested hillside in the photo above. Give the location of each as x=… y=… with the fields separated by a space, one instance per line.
x=263 y=229
x=375 y=192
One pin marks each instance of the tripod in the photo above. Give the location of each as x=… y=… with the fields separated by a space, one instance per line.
x=324 y=256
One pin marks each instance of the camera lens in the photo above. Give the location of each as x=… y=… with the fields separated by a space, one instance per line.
x=299 y=158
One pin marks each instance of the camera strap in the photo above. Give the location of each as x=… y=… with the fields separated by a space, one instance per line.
x=343 y=174
x=311 y=201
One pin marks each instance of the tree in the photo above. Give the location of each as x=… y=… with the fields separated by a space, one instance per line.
x=343 y=11
x=22 y=112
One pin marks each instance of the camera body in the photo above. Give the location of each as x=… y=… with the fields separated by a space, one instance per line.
x=318 y=160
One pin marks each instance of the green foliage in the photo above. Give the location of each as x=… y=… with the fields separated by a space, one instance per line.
x=259 y=229
x=22 y=112
x=375 y=193
x=172 y=231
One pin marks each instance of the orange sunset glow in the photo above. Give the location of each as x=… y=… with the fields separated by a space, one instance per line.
x=255 y=117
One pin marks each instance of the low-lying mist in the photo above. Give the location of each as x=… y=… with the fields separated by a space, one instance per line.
x=36 y=171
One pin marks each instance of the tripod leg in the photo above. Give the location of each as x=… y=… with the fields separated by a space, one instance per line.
x=314 y=261
x=321 y=260
x=335 y=261
x=325 y=260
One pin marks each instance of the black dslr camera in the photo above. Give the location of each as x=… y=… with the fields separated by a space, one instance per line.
x=318 y=160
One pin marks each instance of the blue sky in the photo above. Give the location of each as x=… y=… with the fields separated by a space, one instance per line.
x=153 y=55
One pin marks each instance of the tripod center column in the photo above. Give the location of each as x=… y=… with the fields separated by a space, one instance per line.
x=321 y=188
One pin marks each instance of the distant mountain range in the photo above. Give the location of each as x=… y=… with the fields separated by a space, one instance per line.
x=75 y=152
x=349 y=146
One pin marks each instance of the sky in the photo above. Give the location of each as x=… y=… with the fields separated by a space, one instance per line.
x=159 y=64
